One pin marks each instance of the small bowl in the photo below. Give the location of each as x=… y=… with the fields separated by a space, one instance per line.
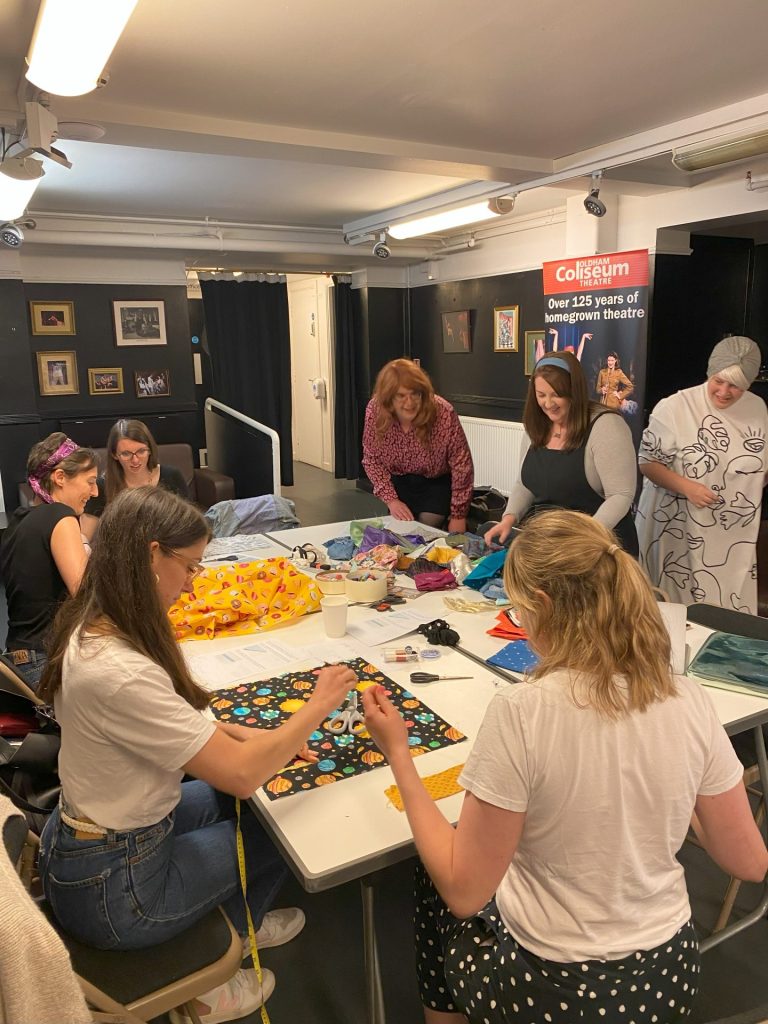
x=332 y=582
x=366 y=585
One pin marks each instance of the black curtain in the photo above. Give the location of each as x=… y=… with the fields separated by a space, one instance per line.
x=250 y=347
x=347 y=431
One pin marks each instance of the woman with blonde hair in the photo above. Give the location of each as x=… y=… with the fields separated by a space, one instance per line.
x=415 y=452
x=559 y=896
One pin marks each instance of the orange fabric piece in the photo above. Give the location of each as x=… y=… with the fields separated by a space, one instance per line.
x=243 y=597
x=506 y=629
x=438 y=786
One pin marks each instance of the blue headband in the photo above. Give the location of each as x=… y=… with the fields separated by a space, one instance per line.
x=552 y=361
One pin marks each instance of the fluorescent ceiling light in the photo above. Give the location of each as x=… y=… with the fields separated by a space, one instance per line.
x=72 y=42
x=456 y=218
x=19 y=177
x=725 y=149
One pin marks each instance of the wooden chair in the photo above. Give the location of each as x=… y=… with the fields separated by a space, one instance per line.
x=136 y=986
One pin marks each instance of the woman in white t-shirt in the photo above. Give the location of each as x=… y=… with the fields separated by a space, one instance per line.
x=560 y=895
x=133 y=856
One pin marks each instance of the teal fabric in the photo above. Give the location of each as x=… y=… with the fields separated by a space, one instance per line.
x=733 y=662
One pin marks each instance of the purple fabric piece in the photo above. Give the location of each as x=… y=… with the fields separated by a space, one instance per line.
x=373 y=536
x=442 y=580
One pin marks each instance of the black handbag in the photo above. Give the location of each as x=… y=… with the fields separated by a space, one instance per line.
x=487 y=506
x=29 y=771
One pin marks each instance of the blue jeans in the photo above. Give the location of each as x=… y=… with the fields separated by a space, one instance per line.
x=32 y=670
x=130 y=890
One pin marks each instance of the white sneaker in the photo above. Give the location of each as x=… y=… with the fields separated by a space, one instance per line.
x=236 y=998
x=277 y=928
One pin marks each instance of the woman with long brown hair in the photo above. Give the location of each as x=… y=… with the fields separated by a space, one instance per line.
x=415 y=452
x=43 y=557
x=559 y=897
x=132 y=461
x=133 y=856
x=581 y=455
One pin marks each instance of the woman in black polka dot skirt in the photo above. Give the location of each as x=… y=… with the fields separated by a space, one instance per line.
x=558 y=897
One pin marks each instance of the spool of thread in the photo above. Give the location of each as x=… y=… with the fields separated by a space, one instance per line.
x=400 y=654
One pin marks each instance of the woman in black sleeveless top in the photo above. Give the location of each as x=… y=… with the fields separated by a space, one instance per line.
x=581 y=455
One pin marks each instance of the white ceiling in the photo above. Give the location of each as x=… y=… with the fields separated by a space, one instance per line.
x=313 y=115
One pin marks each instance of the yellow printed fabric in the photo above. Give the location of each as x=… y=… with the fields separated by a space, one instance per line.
x=440 y=785
x=243 y=597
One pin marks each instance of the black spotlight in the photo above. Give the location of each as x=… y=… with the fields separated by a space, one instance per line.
x=593 y=203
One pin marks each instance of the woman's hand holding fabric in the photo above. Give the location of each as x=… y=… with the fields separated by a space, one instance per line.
x=384 y=722
x=501 y=530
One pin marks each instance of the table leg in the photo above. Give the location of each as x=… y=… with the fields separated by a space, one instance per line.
x=374 y=993
x=759 y=912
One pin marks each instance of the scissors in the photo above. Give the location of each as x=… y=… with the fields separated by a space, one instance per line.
x=349 y=719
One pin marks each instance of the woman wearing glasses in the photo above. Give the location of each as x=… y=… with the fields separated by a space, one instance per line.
x=415 y=451
x=133 y=856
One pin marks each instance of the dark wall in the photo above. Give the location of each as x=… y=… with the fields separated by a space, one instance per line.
x=697 y=300
x=27 y=416
x=481 y=382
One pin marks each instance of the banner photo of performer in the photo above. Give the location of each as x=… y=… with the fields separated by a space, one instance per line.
x=597 y=308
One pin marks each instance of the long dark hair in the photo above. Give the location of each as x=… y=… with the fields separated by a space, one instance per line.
x=118 y=594
x=132 y=430
x=571 y=384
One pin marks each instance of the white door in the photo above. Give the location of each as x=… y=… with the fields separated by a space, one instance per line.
x=308 y=307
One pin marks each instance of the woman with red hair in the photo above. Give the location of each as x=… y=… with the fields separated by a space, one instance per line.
x=414 y=449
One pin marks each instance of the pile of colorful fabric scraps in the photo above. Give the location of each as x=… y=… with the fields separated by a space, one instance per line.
x=486 y=577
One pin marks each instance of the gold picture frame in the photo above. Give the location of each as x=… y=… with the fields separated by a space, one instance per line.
x=57 y=373
x=152 y=383
x=105 y=380
x=52 y=316
x=532 y=338
x=506 y=320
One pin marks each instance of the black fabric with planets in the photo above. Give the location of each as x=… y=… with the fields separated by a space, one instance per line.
x=269 y=703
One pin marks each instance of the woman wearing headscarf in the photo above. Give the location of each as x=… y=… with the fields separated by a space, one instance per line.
x=704 y=460
x=42 y=556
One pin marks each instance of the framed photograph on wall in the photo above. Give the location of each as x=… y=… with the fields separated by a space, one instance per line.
x=456 y=332
x=505 y=321
x=534 y=343
x=152 y=383
x=54 y=317
x=57 y=373
x=105 y=380
x=140 y=322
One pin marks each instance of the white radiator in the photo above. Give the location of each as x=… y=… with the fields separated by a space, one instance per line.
x=497 y=447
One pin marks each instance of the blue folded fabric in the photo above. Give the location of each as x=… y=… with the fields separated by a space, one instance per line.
x=340 y=549
x=490 y=566
x=517 y=656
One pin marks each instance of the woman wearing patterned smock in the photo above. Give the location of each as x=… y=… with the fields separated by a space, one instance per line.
x=704 y=461
x=558 y=897
x=414 y=449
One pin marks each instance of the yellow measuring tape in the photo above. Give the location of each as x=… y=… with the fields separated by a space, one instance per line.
x=251 y=929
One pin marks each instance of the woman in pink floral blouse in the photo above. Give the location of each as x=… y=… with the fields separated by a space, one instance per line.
x=414 y=449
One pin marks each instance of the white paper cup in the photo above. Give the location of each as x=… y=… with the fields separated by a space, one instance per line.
x=334 y=609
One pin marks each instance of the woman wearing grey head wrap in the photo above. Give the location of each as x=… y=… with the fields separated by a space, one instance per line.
x=704 y=459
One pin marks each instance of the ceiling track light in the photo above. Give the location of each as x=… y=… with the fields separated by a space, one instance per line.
x=593 y=203
x=456 y=217
x=725 y=149
x=19 y=177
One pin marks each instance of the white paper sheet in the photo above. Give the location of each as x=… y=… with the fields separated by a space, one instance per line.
x=387 y=627
x=222 y=549
x=262 y=660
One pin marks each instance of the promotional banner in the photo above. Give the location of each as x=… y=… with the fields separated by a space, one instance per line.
x=597 y=308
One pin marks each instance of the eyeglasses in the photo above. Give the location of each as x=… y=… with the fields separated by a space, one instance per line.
x=138 y=454
x=193 y=568
x=410 y=396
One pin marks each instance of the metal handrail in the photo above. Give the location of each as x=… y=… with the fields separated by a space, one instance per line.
x=212 y=403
